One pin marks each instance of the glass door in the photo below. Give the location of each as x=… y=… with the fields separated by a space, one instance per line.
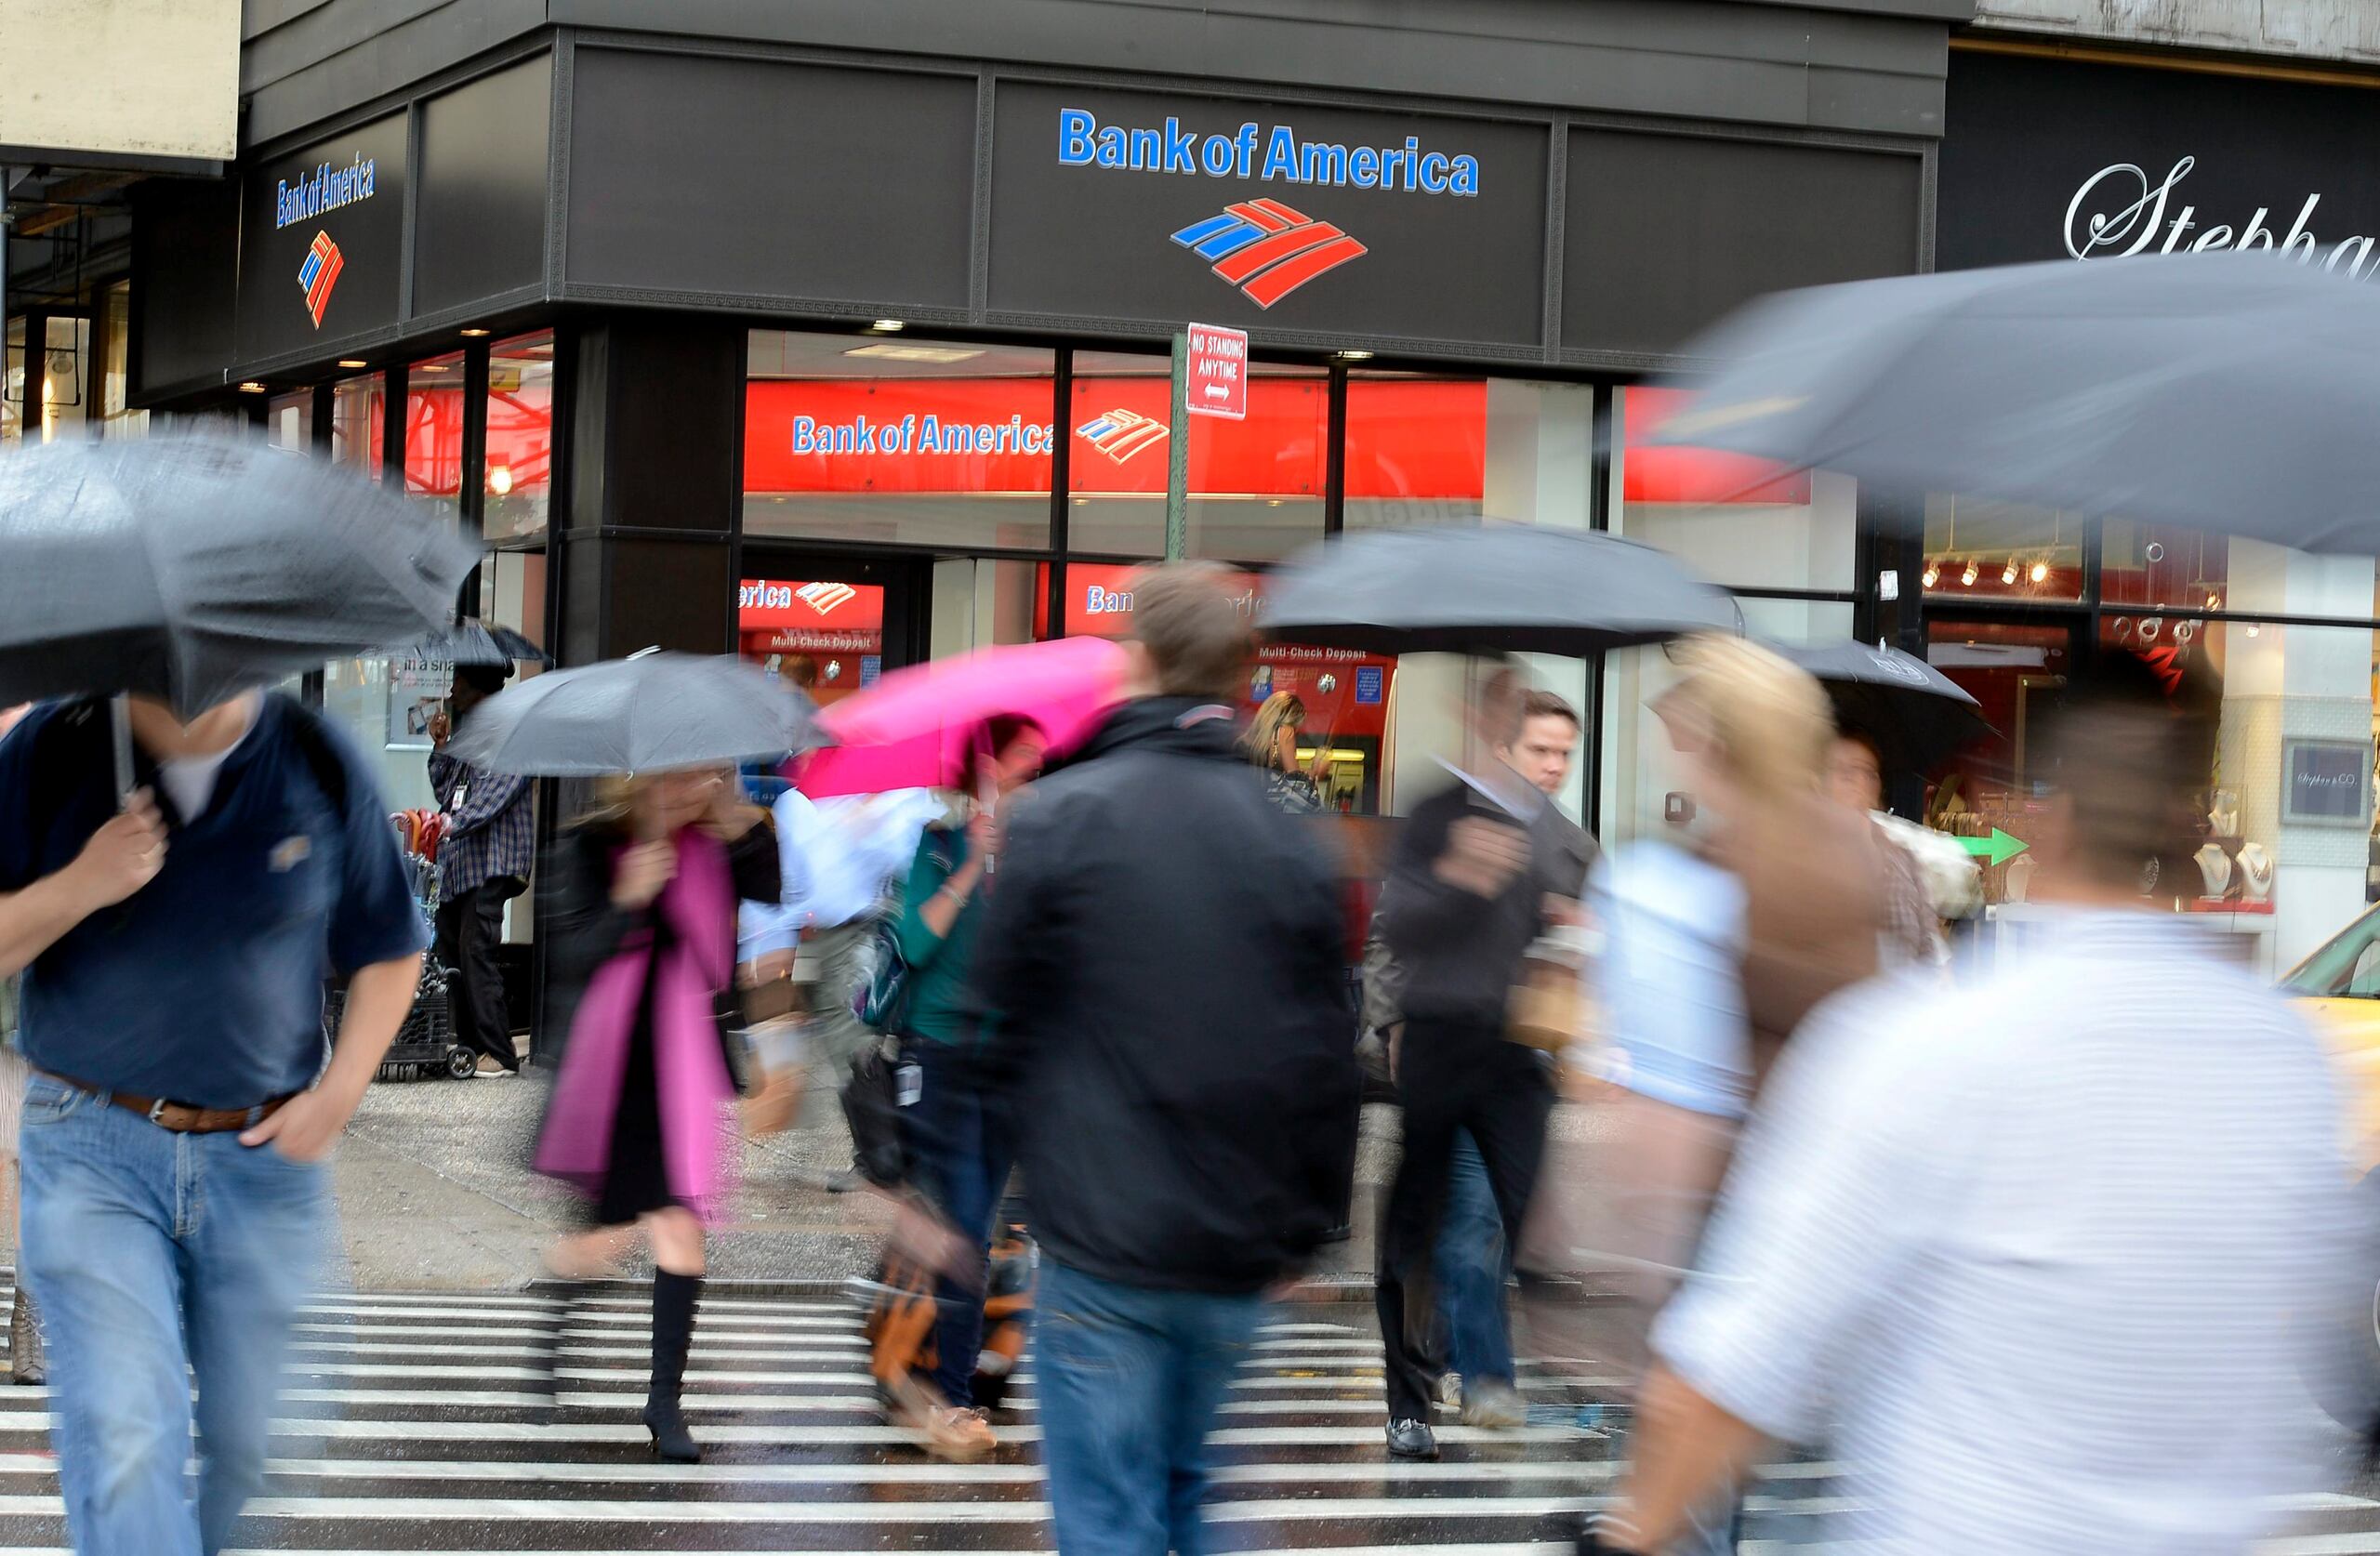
x=2008 y=663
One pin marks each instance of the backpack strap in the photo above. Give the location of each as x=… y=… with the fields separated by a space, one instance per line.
x=74 y=747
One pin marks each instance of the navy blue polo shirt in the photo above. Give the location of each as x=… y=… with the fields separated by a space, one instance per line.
x=205 y=986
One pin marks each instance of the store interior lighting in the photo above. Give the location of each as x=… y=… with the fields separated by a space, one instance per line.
x=885 y=352
x=354 y=361
x=2009 y=573
x=1933 y=573
x=1969 y=576
x=499 y=479
x=1355 y=356
x=473 y=334
x=889 y=326
x=2041 y=572
x=251 y=387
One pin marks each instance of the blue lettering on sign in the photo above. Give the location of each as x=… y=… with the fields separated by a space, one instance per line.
x=321 y=189
x=1274 y=156
x=1369 y=681
x=1098 y=601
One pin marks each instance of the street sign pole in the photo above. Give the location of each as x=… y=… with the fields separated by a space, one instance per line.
x=1177 y=465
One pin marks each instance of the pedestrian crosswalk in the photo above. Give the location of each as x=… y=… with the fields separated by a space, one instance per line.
x=426 y=1423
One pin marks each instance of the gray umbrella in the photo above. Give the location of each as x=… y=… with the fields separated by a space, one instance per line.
x=1916 y=715
x=648 y=713
x=472 y=642
x=190 y=569
x=2224 y=391
x=1491 y=588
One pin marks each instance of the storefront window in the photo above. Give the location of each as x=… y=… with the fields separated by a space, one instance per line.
x=358 y=407
x=117 y=418
x=434 y=434
x=1976 y=549
x=1431 y=450
x=1738 y=521
x=12 y=385
x=1256 y=486
x=981 y=601
x=823 y=636
x=519 y=437
x=289 y=422
x=898 y=441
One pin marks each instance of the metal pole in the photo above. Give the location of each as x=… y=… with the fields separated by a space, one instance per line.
x=1177 y=474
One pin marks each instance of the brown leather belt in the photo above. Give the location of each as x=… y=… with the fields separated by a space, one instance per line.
x=182 y=1118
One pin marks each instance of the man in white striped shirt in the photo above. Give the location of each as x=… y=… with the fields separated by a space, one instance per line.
x=2046 y=1258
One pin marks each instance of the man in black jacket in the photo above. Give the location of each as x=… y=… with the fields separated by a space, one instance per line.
x=1162 y=967
x=1478 y=870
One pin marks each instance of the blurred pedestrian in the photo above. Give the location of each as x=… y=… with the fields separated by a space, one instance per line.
x=1474 y=1260
x=2044 y=1258
x=1855 y=780
x=25 y=1325
x=484 y=861
x=1162 y=963
x=1482 y=869
x=959 y=1150
x=843 y=859
x=642 y=914
x=173 y=1017
x=1271 y=743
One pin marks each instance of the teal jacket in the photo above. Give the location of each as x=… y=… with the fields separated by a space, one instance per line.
x=938 y=964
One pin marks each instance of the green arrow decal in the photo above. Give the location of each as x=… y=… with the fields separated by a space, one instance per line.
x=1998 y=849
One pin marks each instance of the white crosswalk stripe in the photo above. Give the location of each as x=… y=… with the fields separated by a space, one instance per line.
x=452 y=1424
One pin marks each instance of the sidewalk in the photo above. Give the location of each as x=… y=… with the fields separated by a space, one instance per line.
x=435 y=1194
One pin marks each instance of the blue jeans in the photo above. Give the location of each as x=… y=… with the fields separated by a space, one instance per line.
x=963 y=1158
x=1472 y=1261
x=150 y=1252
x=1131 y=1379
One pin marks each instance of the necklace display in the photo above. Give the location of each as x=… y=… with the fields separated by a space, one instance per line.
x=2215 y=869
x=2255 y=873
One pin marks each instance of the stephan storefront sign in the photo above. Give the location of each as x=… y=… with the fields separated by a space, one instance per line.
x=322 y=234
x=1160 y=208
x=2051 y=159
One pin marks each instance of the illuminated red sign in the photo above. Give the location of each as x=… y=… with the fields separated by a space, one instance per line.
x=1407 y=438
x=1346 y=692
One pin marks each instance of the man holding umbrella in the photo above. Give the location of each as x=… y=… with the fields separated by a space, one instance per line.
x=179 y=870
x=175 y=1204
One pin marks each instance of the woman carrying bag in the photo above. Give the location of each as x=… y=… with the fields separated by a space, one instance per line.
x=642 y=913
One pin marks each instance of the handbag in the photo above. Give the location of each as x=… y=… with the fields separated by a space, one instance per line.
x=1549 y=1010
x=880 y=1085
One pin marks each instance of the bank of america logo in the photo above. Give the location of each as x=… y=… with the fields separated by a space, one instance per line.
x=1266 y=250
x=1119 y=434
x=319 y=275
x=824 y=598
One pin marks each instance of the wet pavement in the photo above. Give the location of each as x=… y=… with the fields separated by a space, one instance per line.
x=419 y=1422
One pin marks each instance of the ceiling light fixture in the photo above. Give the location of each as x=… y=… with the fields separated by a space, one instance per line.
x=2041 y=572
x=500 y=479
x=1355 y=356
x=474 y=333
x=890 y=326
x=1969 y=576
x=354 y=361
x=2009 y=573
x=2213 y=601
x=251 y=387
x=885 y=352
x=1933 y=574
x=2256 y=629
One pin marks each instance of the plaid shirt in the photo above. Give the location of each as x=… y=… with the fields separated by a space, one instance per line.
x=490 y=828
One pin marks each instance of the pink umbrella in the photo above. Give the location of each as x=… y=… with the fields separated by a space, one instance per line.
x=916 y=728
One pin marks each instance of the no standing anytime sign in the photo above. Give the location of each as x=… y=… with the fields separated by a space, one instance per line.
x=1218 y=372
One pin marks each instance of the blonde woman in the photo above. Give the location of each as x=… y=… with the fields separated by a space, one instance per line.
x=1271 y=743
x=643 y=919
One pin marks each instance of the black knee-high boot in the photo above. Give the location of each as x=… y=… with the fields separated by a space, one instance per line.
x=673 y=1335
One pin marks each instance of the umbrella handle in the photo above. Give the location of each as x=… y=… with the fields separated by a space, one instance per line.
x=120 y=727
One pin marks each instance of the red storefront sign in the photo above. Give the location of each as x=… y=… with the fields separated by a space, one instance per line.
x=1420 y=438
x=832 y=624
x=1346 y=692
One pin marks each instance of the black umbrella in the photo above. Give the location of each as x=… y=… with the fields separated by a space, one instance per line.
x=1916 y=715
x=648 y=713
x=1491 y=588
x=190 y=569
x=473 y=641
x=2224 y=391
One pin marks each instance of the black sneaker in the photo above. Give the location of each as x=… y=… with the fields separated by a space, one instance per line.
x=1411 y=1440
